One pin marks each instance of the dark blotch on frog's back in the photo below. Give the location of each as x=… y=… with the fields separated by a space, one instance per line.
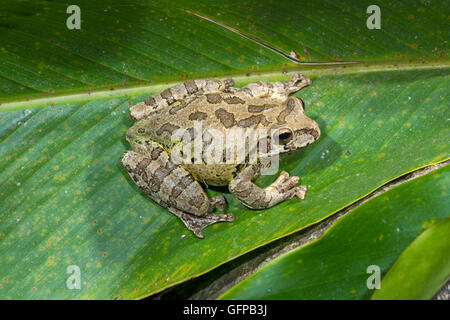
x=260 y=108
x=281 y=118
x=167 y=127
x=253 y=121
x=213 y=98
x=168 y=96
x=198 y=115
x=225 y=117
x=234 y=100
x=190 y=86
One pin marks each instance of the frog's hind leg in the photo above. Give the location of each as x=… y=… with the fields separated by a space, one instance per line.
x=178 y=93
x=279 y=89
x=172 y=187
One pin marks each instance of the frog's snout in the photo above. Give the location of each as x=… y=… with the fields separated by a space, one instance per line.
x=134 y=133
x=306 y=136
x=314 y=130
x=311 y=134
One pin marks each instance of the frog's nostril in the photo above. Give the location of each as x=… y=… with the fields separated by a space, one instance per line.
x=314 y=132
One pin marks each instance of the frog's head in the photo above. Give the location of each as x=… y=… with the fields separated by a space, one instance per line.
x=295 y=130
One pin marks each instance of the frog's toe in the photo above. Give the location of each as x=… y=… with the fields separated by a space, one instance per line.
x=291 y=182
x=300 y=78
x=300 y=192
x=297 y=83
x=284 y=183
x=197 y=223
x=284 y=187
x=281 y=178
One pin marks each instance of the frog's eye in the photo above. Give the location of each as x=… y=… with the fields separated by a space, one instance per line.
x=284 y=135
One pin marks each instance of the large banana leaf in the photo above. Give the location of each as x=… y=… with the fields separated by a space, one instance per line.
x=130 y=43
x=65 y=198
x=342 y=264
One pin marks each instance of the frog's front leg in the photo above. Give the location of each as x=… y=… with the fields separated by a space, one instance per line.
x=254 y=197
x=279 y=89
x=178 y=93
x=172 y=187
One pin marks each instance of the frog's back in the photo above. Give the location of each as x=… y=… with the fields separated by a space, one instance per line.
x=219 y=111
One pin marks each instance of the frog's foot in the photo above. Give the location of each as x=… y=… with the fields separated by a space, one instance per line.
x=218 y=202
x=197 y=223
x=277 y=90
x=254 y=197
x=297 y=82
x=284 y=187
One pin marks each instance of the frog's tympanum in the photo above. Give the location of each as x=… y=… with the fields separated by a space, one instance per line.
x=218 y=107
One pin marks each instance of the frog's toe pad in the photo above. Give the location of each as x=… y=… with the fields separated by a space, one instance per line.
x=197 y=223
x=288 y=184
x=300 y=192
x=285 y=184
x=284 y=187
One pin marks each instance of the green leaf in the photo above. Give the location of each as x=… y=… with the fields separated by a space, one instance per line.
x=66 y=199
x=335 y=266
x=422 y=269
x=129 y=43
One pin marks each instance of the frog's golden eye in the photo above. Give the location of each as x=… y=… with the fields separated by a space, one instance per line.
x=284 y=135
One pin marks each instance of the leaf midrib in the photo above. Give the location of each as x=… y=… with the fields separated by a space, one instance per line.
x=240 y=78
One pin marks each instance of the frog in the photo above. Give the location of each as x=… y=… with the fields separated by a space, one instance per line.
x=216 y=104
